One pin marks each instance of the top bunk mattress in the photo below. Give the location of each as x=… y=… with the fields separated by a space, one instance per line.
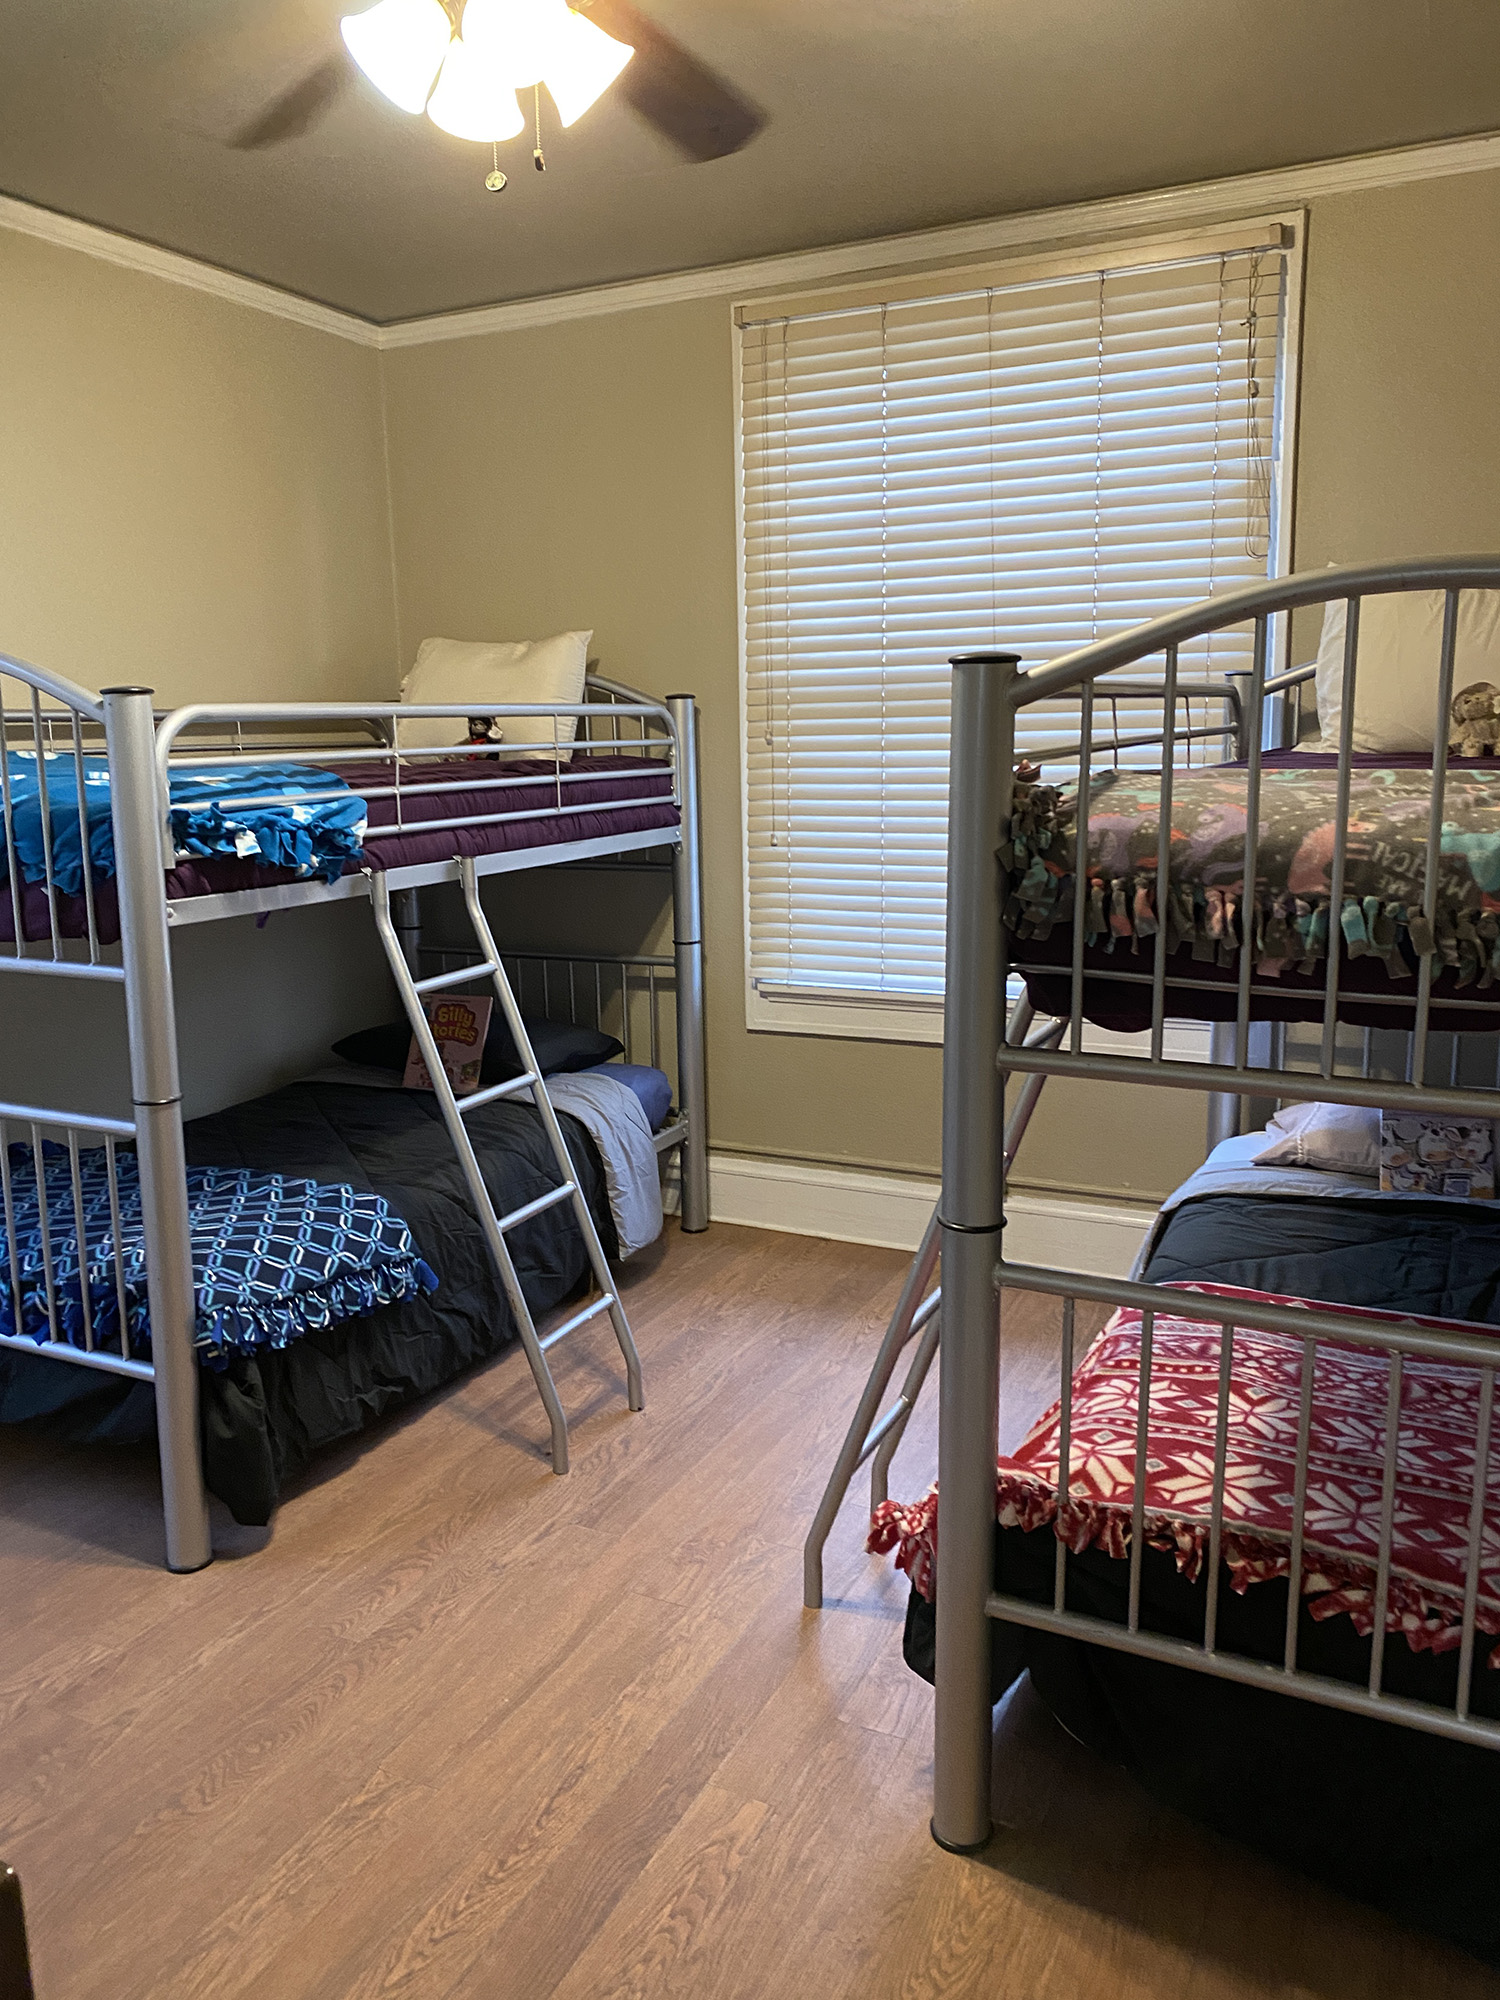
x=1380 y=933
x=601 y=797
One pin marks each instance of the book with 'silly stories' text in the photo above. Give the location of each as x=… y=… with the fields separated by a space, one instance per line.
x=459 y=1024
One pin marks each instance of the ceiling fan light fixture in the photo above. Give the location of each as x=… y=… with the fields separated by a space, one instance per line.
x=400 y=46
x=516 y=36
x=474 y=97
x=583 y=63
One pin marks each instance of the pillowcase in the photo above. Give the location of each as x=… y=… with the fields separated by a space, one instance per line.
x=559 y=1046
x=1332 y=1138
x=1395 y=684
x=650 y=1086
x=484 y=677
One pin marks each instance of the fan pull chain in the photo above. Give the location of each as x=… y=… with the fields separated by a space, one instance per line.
x=495 y=180
x=537 y=159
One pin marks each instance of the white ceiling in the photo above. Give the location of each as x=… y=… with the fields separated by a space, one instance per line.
x=885 y=115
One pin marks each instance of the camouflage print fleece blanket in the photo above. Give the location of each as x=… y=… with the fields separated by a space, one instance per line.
x=1287 y=917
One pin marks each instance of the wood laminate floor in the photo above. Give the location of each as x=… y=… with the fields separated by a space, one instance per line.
x=455 y=1727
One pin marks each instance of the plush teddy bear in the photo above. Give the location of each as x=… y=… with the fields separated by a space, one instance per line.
x=1476 y=721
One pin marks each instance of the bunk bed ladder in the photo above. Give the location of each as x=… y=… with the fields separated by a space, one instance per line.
x=871 y=1435
x=456 y=1109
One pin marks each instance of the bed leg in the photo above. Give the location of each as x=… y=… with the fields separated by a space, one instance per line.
x=406 y=915
x=156 y=1092
x=687 y=931
x=972 y=1218
x=1223 y=1105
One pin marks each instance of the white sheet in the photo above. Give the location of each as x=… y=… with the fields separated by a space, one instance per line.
x=609 y=1112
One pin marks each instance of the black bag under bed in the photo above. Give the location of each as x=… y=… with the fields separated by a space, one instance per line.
x=1404 y=1820
x=264 y=1415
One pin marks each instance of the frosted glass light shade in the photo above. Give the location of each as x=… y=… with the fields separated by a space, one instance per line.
x=400 y=45
x=582 y=64
x=517 y=36
x=474 y=98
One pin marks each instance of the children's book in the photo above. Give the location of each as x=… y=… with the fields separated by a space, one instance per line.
x=459 y=1024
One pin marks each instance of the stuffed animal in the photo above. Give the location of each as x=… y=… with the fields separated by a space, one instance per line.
x=484 y=729
x=1476 y=721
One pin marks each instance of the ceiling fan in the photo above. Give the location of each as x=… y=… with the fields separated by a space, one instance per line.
x=462 y=61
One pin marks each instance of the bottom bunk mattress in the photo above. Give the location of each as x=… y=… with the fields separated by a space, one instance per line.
x=1406 y=1820
x=265 y=1414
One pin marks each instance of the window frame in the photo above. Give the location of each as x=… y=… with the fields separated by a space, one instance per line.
x=850 y=1015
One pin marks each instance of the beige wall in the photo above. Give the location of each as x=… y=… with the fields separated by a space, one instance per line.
x=196 y=497
x=1400 y=414
x=193 y=492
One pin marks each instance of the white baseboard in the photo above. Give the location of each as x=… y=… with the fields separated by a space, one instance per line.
x=891 y=1210
x=1098 y=1237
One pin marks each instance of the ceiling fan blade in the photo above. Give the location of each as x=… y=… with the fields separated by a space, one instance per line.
x=688 y=103
x=297 y=109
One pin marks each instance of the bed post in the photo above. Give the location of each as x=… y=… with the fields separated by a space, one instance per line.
x=983 y=737
x=1223 y=1105
x=406 y=916
x=687 y=932
x=156 y=1093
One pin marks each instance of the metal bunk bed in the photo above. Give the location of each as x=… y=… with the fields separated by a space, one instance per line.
x=990 y=691
x=990 y=694
x=630 y=787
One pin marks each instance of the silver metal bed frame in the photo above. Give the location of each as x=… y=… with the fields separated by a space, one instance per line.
x=56 y=718
x=990 y=691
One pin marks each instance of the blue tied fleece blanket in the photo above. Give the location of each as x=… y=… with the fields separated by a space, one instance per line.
x=315 y=837
x=273 y=1258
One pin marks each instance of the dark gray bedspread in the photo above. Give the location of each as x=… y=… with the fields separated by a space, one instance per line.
x=1440 y=1259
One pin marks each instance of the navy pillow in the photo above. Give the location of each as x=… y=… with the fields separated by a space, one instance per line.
x=559 y=1046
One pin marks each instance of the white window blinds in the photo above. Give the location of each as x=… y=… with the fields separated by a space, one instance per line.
x=1028 y=465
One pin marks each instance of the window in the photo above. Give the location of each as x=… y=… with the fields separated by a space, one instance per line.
x=1032 y=461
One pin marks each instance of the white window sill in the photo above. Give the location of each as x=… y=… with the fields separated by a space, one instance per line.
x=852 y=1016
x=887 y=1018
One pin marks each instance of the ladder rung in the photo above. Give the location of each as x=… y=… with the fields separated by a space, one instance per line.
x=519 y=1215
x=455 y=978
x=488 y=1096
x=601 y=1304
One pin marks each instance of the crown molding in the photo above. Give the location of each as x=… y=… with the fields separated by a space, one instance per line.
x=110 y=247
x=1279 y=187
x=1203 y=201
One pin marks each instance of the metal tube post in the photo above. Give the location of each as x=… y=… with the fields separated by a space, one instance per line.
x=156 y=1092
x=971 y=1217
x=406 y=916
x=1223 y=1105
x=687 y=939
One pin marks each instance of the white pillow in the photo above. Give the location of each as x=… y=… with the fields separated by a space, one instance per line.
x=1333 y=1138
x=1395 y=684
x=484 y=677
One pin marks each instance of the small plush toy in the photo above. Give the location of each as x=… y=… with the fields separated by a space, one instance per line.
x=484 y=729
x=1476 y=721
